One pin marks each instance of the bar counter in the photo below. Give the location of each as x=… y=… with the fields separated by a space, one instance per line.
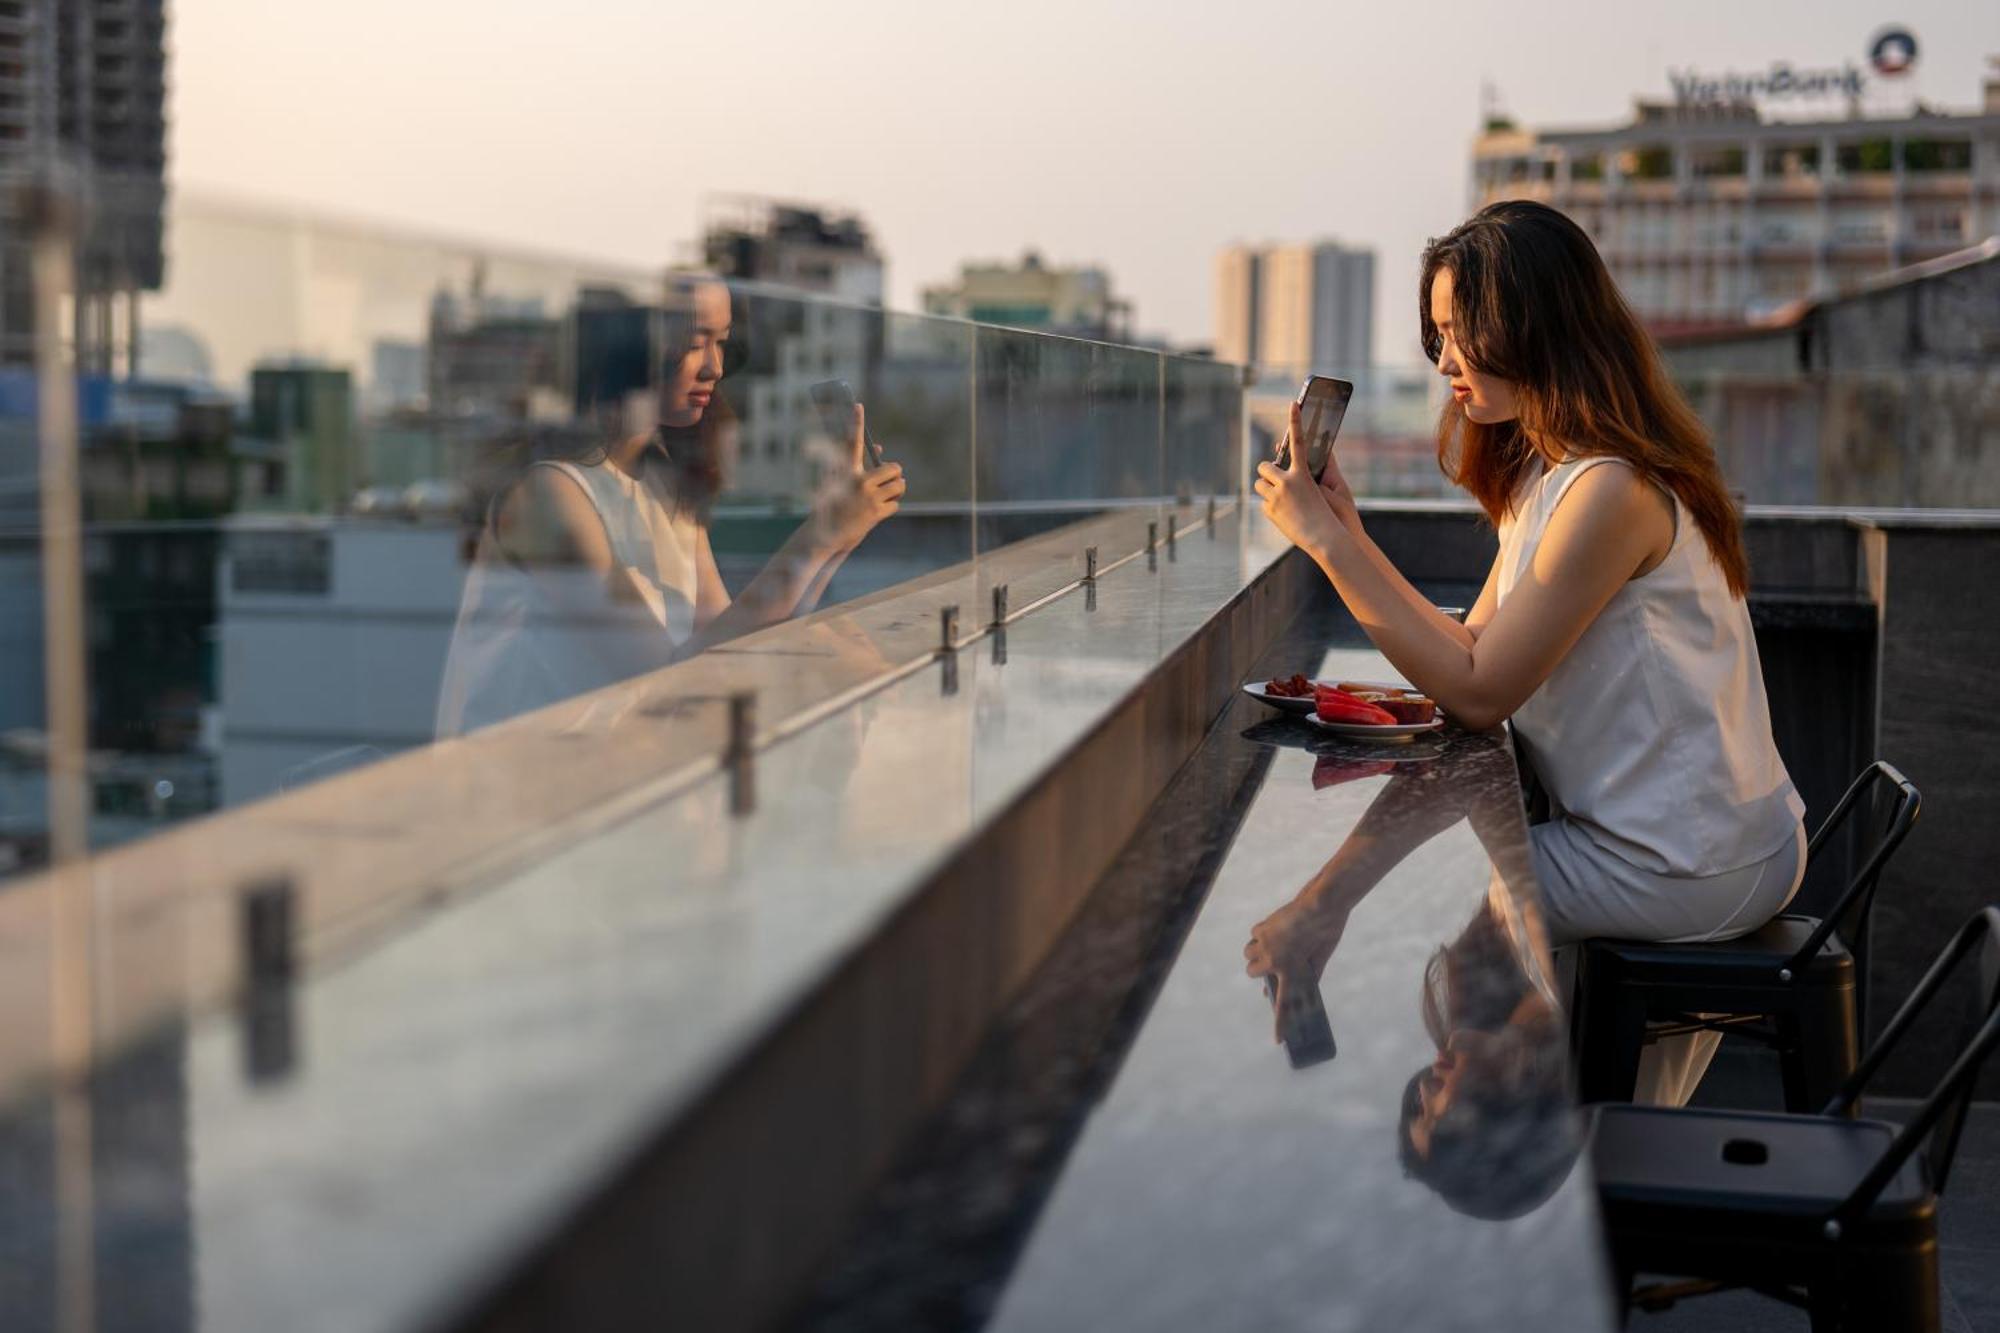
x=1207 y=1174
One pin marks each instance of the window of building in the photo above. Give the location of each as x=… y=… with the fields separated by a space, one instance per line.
x=1937 y=155
x=1791 y=160
x=1587 y=167
x=1867 y=157
x=1934 y=224
x=1710 y=163
x=1852 y=226
x=1783 y=282
x=1785 y=231
x=1653 y=162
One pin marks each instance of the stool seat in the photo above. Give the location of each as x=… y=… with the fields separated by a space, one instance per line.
x=1755 y=1171
x=1623 y=986
x=1830 y=1212
x=1792 y=983
x=1753 y=958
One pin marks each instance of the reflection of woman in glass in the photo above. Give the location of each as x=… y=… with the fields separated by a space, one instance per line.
x=1612 y=630
x=1489 y=1122
x=595 y=564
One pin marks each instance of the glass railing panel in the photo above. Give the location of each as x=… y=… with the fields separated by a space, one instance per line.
x=1068 y=455
x=1202 y=421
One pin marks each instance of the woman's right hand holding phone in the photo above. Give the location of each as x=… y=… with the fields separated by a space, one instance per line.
x=857 y=497
x=1339 y=495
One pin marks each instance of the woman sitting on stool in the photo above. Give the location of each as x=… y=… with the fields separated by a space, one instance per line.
x=1612 y=631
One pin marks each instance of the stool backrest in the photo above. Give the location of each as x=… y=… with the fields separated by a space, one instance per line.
x=1858 y=898
x=1938 y=1120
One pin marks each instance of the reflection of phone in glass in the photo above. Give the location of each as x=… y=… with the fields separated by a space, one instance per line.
x=1302 y=1022
x=835 y=401
x=1322 y=404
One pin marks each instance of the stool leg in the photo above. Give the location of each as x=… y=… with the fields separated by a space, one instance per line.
x=1865 y=1291
x=1820 y=1052
x=1611 y=1035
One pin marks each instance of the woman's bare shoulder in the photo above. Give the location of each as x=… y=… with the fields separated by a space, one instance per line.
x=545 y=517
x=1618 y=500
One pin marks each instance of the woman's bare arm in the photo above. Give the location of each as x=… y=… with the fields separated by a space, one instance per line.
x=1610 y=527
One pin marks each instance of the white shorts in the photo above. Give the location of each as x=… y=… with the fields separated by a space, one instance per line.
x=1588 y=891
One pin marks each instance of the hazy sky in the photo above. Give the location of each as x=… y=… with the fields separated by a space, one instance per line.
x=1138 y=135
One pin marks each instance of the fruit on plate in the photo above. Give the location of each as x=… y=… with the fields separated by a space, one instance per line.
x=1339 y=706
x=1410 y=708
x=1363 y=687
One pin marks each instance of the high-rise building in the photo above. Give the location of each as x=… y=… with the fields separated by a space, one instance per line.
x=1296 y=308
x=498 y=359
x=82 y=88
x=794 y=343
x=1077 y=302
x=308 y=412
x=1709 y=213
x=802 y=246
x=1236 y=311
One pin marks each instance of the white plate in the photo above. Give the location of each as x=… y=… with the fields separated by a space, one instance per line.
x=1375 y=731
x=1280 y=702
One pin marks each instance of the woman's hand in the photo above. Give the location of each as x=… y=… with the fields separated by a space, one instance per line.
x=1297 y=505
x=856 y=497
x=1339 y=495
x=1292 y=945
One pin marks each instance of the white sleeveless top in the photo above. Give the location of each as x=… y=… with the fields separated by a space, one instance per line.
x=526 y=638
x=1654 y=733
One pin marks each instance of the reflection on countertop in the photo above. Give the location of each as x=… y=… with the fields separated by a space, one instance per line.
x=1359 y=1119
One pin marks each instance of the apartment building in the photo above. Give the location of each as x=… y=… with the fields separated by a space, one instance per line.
x=1711 y=212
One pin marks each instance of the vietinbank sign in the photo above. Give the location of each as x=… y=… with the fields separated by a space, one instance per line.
x=1891 y=53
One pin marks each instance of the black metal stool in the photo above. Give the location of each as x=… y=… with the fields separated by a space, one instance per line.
x=1833 y=1214
x=1791 y=984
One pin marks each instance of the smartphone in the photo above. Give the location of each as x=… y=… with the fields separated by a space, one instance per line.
x=835 y=401
x=1322 y=406
x=1302 y=1023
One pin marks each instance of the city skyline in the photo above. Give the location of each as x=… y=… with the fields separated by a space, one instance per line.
x=953 y=149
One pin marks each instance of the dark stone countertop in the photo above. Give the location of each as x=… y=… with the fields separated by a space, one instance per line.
x=1152 y=1138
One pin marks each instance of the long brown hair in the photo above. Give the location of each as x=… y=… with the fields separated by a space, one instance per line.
x=1533 y=304
x=689 y=460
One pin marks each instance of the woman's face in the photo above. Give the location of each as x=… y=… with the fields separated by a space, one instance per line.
x=689 y=378
x=1484 y=398
x=1438 y=1086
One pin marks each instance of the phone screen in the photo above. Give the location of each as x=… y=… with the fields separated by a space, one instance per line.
x=1302 y=1023
x=835 y=401
x=1322 y=407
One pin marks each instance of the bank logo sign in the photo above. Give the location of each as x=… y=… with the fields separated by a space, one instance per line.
x=1891 y=54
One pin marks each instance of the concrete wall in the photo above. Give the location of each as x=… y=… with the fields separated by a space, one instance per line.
x=1940 y=688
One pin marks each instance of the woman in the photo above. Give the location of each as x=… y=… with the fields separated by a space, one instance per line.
x=1612 y=631
x=594 y=564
